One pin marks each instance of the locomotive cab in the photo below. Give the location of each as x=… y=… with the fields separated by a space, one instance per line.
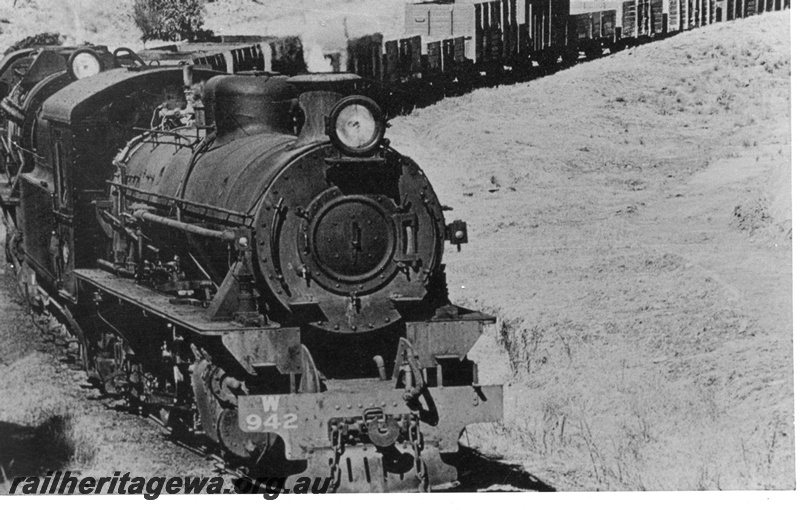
x=27 y=79
x=74 y=128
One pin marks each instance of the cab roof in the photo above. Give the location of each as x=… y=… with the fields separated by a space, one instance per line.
x=85 y=97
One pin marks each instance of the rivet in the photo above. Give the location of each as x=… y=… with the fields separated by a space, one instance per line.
x=336 y=407
x=336 y=327
x=359 y=405
x=349 y=406
x=386 y=319
x=354 y=328
x=383 y=404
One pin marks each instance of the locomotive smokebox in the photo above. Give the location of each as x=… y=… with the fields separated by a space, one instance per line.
x=249 y=105
x=345 y=234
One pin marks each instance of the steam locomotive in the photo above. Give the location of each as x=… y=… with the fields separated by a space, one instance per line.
x=246 y=256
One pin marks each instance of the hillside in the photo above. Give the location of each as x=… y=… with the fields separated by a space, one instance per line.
x=80 y=21
x=321 y=23
x=630 y=225
x=324 y=22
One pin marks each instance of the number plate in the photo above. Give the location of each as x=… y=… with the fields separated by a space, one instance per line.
x=269 y=418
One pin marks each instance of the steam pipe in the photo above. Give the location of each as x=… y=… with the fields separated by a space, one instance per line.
x=117 y=270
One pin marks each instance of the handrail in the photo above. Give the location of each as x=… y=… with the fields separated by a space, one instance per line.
x=222 y=235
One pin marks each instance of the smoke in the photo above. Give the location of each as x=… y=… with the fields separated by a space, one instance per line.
x=324 y=42
x=315 y=56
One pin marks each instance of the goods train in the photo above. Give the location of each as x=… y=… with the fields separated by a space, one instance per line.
x=456 y=45
x=460 y=44
x=234 y=245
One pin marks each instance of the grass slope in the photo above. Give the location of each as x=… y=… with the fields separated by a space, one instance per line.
x=630 y=225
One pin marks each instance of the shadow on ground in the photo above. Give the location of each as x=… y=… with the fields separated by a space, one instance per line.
x=479 y=473
x=32 y=451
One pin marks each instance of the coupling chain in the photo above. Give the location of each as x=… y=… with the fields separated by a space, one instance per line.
x=415 y=437
x=337 y=444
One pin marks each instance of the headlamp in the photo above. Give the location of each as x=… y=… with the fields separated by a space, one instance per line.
x=356 y=126
x=84 y=63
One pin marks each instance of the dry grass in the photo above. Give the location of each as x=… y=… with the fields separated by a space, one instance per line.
x=630 y=225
